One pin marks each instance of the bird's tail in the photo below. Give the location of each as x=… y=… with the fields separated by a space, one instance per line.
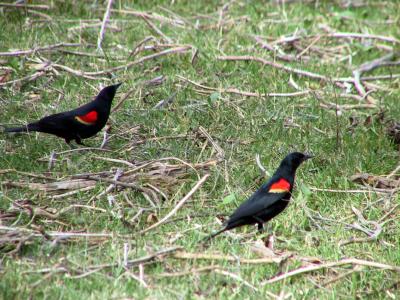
x=27 y=128
x=213 y=235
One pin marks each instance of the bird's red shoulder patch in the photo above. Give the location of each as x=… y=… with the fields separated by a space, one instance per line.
x=281 y=186
x=89 y=119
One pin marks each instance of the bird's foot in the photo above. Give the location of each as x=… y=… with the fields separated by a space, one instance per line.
x=72 y=146
x=271 y=242
x=79 y=142
x=260 y=224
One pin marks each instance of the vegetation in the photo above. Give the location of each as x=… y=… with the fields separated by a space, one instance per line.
x=191 y=105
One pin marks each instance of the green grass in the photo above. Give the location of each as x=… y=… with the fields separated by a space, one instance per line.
x=242 y=126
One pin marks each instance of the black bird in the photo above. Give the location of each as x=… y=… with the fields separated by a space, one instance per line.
x=80 y=123
x=270 y=199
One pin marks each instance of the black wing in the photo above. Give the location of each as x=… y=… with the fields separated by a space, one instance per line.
x=56 y=120
x=259 y=202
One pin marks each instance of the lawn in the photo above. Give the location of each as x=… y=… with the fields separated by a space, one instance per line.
x=207 y=87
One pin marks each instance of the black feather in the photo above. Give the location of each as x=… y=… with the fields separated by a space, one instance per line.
x=66 y=125
x=264 y=205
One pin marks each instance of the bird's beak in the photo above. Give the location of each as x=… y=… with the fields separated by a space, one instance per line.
x=307 y=156
x=117 y=85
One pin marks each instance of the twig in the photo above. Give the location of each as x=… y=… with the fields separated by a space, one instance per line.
x=363 y=36
x=94 y=25
x=339 y=107
x=45 y=17
x=363 y=226
x=32 y=77
x=59 y=196
x=78 y=73
x=263 y=171
x=114 y=160
x=221 y=13
x=152 y=16
x=278 y=53
x=308 y=47
x=137 y=278
x=355 y=80
x=117 y=175
x=130 y=263
x=293 y=83
x=388 y=213
x=354 y=35
x=155 y=29
x=57 y=234
x=33 y=6
x=27 y=174
x=367 y=67
x=380 y=77
x=330 y=281
x=181 y=19
x=141 y=272
x=139 y=47
x=346 y=191
x=115 y=182
x=82 y=149
x=394 y=172
x=179 y=205
x=236 y=277
x=210 y=90
x=126 y=96
x=89 y=75
x=105 y=136
x=77 y=53
x=193 y=167
x=220 y=151
x=346 y=261
x=166 y=102
x=275 y=65
x=206 y=256
x=141 y=260
x=82 y=275
x=103 y=26
x=39 y=49
x=190 y=272
x=126 y=251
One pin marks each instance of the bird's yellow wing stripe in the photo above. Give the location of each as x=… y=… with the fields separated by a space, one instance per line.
x=89 y=119
x=80 y=120
x=278 y=191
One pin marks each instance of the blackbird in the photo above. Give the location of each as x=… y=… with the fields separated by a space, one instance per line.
x=80 y=123
x=270 y=199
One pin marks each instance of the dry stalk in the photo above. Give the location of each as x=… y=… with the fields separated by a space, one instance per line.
x=366 y=67
x=151 y=16
x=39 y=49
x=190 y=272
x=28 y=78
x=103 y=26
x=25 y=6
x=236 y=277
x=218 y=149
x=93 y=75
x=346 y=261
x=210 y=90
x=179 y=205
x=212 y=256
x=276 y=65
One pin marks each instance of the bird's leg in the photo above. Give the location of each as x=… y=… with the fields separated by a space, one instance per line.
x=79 y=141
x=68 y=141
x=260 y=224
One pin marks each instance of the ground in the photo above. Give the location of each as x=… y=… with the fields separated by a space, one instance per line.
x=207 y=86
